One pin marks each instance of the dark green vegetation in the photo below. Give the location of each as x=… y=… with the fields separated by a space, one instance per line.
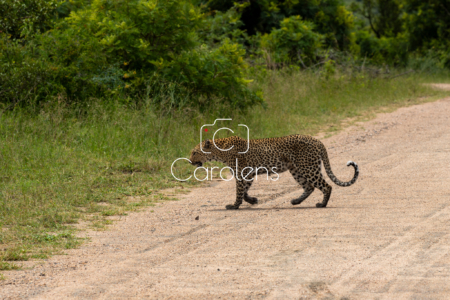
x=98 y=98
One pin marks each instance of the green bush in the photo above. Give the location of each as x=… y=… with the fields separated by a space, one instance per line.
x=389 y=50
x=382 y=16
x=56 y=63
x=140 y=31
x=81 y=66
x=23 y=17
x=295 y=41
x=218 y=26
x=331 y=18
x=158 y=41
x=178 y=53
x=427 y=23
x=420 y=29
x=127 y=48
x=427 y=26
x=23 y=78
x=208 y=76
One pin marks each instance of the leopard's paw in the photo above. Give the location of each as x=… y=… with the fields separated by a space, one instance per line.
x=251 y=200
x=295 y=202
x=229 y=206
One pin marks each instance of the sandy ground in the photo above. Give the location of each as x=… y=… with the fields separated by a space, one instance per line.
x=386 y=237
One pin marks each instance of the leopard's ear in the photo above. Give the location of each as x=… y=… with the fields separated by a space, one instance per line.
x=207 y=144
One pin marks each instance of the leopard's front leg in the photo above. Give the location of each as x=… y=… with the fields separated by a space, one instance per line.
x=247 y=198
x=240 y=191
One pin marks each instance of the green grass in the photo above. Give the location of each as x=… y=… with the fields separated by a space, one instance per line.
x=305 y=104
x=63 y=165
x=8 y=266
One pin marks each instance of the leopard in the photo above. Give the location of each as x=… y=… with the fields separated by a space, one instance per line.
x=301 y=155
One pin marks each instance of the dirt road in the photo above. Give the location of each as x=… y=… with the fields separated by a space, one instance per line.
x=386 y=237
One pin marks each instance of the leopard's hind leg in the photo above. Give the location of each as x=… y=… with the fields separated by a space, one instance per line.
x=307 y=188
x=321 y=184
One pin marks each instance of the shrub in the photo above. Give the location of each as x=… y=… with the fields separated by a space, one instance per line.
x=295 y=41
x=140 y=31
x=120 y=47
x=218 y=26
x=19 y=18
x=332 y=19
x=158 y=41
x=208 y=77
x=23 y=78
x=54 y=63
x=389 y=50
x=427 y=23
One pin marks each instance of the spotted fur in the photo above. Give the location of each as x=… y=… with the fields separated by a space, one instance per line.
x=301 y=155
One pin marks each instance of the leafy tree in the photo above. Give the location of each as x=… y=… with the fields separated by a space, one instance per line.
x=22 y=17
x=383 y=16
x=389 y=22
x=138 y=48
x=384 y=50
x=295 y=41
x=140 y=32
x=218 y=26
x=427 y=22
x=330 y=17
x=209 y=76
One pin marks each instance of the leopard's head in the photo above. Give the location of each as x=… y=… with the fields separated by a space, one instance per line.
x=198 y=157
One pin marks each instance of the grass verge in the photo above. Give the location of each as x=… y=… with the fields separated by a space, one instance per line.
x=64 y=164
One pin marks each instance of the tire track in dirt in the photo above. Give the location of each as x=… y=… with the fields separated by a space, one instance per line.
x=177 y=237
x=403 y=254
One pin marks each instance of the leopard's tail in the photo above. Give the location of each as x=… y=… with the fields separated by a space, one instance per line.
x=326 y=164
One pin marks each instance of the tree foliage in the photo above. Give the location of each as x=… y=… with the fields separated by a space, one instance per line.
x=383 y=16
x=295 y=41
x=196 y=53
x=427 y=22
x=140 y=32
x=125 y=46
x=330 y=17
x=404 y=27
x=21 y=17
